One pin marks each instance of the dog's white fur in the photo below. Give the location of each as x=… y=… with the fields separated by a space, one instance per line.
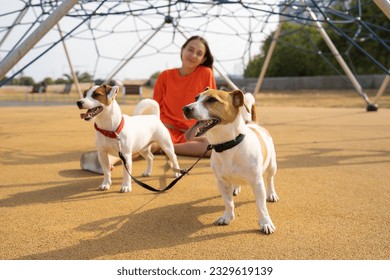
x=137 y=135
x=245 y=163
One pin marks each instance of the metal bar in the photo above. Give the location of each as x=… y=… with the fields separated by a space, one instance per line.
x=75 y=79
x=382 y=89
x=30 y=42
x=226 y=78
x=268 y=58
x=338 y=56
x=120 y=66
x=16 y=21
x=384 y=5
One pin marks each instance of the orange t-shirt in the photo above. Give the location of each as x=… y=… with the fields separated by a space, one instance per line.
x=173 y=91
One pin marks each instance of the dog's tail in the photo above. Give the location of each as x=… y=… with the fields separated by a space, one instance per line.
x=149 y=105
x=251 y=116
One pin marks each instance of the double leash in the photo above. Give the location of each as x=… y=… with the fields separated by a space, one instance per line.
x=150 y=188
x=219 y=148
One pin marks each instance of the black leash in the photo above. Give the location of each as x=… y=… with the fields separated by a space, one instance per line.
x=183 y=172
x=219 y=148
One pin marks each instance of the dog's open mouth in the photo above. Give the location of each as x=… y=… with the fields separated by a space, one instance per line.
x=200 y=128
x=91 y=113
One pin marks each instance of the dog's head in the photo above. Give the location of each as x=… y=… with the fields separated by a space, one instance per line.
x=212 y=107
x=96 y=99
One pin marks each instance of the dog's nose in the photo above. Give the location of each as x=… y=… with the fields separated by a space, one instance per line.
x=80 y=104
x=187 y=110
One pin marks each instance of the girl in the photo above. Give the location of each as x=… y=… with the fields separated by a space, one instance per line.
x=178 y=87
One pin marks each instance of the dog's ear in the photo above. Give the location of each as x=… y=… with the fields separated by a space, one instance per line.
x=107 y=89
x=238 y=98
x=111 y=92
x=206 y=89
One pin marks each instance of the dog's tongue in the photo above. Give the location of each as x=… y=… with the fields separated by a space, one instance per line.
x=193 y=131
x=86 y=116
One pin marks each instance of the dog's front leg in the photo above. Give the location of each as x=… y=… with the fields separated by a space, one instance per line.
x=265 y=222
x=226 y=191
x=126 y=184
x=106 y=167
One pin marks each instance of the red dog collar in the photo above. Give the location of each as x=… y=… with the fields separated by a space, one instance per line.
x=112 y=134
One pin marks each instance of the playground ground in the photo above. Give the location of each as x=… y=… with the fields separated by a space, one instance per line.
x=333 y=183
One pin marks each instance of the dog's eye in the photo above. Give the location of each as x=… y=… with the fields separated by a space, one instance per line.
x=85 y=93
x=94 y=95
x=211 y=100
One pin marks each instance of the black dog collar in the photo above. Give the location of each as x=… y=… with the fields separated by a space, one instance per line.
x=219 y=148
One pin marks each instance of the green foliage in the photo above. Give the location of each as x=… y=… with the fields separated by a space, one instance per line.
x=60 y=81
x=22 y=81
x=26 y=81
x=294 y=55
x=48 y=81
x=85 y=77
x=297 y=51
x=359 y=62
x=82 y=78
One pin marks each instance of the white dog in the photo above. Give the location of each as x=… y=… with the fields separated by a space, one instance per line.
x=242 y=152
x=115 y=131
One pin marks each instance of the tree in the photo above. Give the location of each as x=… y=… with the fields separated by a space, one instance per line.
x=61 y=81
x=297 y=51
x=85 y=77
x=360 y=63
x=82 y=78
x=295 y=54
x=48 y=81
x=26 y=81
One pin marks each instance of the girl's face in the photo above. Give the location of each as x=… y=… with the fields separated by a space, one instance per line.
x=193 y=54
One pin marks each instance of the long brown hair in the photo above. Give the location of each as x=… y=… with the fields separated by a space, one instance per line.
x=209 y=57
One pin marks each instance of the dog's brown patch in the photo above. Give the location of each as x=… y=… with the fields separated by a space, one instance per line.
x=223 y=105
x=101 y=94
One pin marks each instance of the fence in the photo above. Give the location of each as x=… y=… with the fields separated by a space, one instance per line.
x=302 y=83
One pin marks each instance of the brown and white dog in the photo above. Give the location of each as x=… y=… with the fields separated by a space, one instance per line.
x=242 y=152
x=133 y=134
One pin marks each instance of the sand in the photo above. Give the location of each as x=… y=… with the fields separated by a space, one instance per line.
x=333 y=183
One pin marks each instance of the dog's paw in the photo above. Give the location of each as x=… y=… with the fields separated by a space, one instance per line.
x=236 y=190
x=104 y=187
x=223 y=221
x=146 y=174
x=273 y=197
x=267 y=227
x=125 y=189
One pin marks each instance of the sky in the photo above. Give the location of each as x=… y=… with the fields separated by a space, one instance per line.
x=98 y=46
